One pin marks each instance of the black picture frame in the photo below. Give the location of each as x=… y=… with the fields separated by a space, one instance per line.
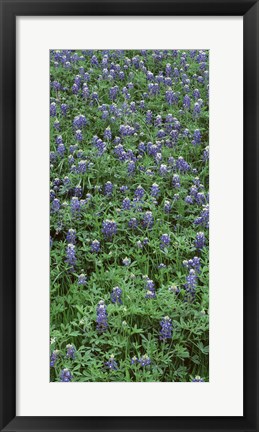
x=9 y=11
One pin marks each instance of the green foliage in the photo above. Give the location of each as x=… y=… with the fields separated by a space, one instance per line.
x=134 y=325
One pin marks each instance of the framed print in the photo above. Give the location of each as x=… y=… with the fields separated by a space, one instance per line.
x=129 y=215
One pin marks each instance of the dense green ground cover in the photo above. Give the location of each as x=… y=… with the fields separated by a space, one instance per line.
x=101 y=130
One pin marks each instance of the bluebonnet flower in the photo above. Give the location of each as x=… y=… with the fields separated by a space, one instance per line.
x=131 y=167
x=144 y=360
x=71 y=255
x=150 y=294
x=133 y=223
x=141 y=148
x=168 y=81
x=155 y=190
x=75 y=205
x=71 y=236
x=158 y=158
x=158 y=120
x=94 y=60
x=55 y=205
x=139 y=192
x=194 y=263
x=82 y=279
x=153 y=88
x=101 y=147
x=150 y=76
x=126 y=261
x=196 y=137
x=108 y=188
x=191 y=284
x=134 y=360
x=186 y=102
x=52 y=156
x=107 y=133
x=113 y=92
x=95 y=246
x=171 y=97
x=67 y=65
x=168 y=69
x=111 y=364
x=186 y=89
x=176 y=181
x=196 y=94
x=152 y=149
x=167 y=206
x=56 y=125
x=54 y=357
x=56 y=85
x=182 y=165
x=61 y=149
x=149 y=116
x=193 y=191
x=203 y=219
x=126 y=204
x=188 y=199
x=79 y=154
x=126 y=130
x=81 y=167
x=120 y=152
x=148 y=220
x=171 y=161
x=165 y=240
x=77 y=80
x=85 y=91
x=77 y=191
x=196 y=109
x=198 y=379
x=149 y=172
x=197 y=182
x=64 y=109
x=75 y=88
x=116 y=295
x=150 y=288
x=102 y=317
x=78 y=135
x=161 y=133
x=163 y=170
x=70 y=351
x=166 y=328
x=73 y=148
x=109 y=228
x=53 y=109
x=79 y=121
x=200 y=240
x=65 y=375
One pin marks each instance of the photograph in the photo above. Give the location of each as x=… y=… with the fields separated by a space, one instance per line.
x=129 y=215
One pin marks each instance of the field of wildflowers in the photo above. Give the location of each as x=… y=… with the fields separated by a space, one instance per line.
x=129 y=215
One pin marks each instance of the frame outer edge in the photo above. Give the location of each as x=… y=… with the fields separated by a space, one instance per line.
x=251 y=212
x=7 y=218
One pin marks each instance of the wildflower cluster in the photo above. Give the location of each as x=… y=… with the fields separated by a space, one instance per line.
x=129 y=215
